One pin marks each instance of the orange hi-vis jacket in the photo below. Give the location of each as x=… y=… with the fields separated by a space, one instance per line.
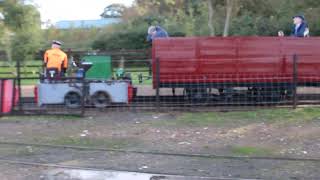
x=56 y=58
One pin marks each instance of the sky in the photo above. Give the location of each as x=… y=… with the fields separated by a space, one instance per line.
x=57 y=10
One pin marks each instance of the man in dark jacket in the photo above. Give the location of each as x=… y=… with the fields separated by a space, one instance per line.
x=300 y=27
x=156 y=32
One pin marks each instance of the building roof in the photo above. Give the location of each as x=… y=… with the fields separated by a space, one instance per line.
x=86 y=23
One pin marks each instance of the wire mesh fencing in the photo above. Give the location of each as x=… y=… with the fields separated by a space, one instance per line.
x=166 y=85
x=60 y=96
x=26 y=93
x=274 y=84
x=287 y=82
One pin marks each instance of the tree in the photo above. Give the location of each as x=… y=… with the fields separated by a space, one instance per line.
x=210 y=18
x=113 y=11
x=229 y=6
x=22 y=22
x=121 y=37
x=2 y=26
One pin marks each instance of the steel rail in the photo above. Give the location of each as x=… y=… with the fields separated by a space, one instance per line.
x=208 y=156
x=88 y=168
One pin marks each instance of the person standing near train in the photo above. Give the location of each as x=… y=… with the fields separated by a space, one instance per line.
x=156 y=32
x=56 y=59
x=300 y=27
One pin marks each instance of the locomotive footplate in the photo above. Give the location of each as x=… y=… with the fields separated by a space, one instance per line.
x=72 y=93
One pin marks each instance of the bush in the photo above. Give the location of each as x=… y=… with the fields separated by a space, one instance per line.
x=132 y=35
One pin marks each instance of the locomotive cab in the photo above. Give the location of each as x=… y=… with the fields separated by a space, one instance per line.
x=83 y=68
x=91 y=85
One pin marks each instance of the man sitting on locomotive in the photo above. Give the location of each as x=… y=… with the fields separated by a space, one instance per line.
x=156 y=32
x=55 y=60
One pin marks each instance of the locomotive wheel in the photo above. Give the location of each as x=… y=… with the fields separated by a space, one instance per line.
x=100 y=100
x=227 y=94
x=72 y=100
x=273 y=95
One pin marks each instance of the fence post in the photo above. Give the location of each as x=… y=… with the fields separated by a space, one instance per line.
x=295 y=81
x=1 y=96
x=18 y=68
x=158 y=84
x=85 y=92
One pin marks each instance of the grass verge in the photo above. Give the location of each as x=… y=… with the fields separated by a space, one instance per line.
x=40 y=118
x=251 y=151
x=280 y=116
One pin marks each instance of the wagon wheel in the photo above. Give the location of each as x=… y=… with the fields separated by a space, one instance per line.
x=72 y=100
x=198 y=95
x=100 y=100
x=272 y=94
x=254 y=95
x=288 y=93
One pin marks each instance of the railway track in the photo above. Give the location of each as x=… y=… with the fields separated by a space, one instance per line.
x=209 y=156
x=91 y=166
x=87 y=168
x=173 y=103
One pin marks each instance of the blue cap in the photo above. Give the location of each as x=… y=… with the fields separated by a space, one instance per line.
x=299 y=16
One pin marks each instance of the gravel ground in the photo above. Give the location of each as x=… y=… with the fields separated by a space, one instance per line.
x=164 y=132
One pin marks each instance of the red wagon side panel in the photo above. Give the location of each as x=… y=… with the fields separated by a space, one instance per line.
x=234 y=59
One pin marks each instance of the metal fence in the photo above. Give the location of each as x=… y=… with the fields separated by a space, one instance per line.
x=297 y=84
x=151 y=87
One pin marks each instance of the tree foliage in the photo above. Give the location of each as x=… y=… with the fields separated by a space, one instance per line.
x=189 y=18
x=113 y=11
x=20 y=28
x=74 y=38
x=22 y=25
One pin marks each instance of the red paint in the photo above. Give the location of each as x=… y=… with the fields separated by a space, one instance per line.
x=7 y=95
x=36 y=96
x=235 y=59
x=130 y=93
x=16 y=100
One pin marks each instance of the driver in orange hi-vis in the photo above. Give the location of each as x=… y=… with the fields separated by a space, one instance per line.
x=56 y=58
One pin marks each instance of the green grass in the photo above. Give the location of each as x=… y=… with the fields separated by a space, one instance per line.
x=251 y=151
x=10 y=72
x=279 y=116
x=29 y=82
x=135 y=78
x=29 y=63
x=135 y=71
x=39 y=118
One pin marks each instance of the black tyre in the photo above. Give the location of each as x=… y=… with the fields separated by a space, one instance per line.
x=100 y=100
x=72 y=100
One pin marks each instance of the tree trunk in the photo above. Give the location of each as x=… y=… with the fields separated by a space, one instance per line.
x=210 y=18
x=7 y=44
x=229 y=7
x=122 y=60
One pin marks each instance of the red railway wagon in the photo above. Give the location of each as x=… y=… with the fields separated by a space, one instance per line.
x=217 y=62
